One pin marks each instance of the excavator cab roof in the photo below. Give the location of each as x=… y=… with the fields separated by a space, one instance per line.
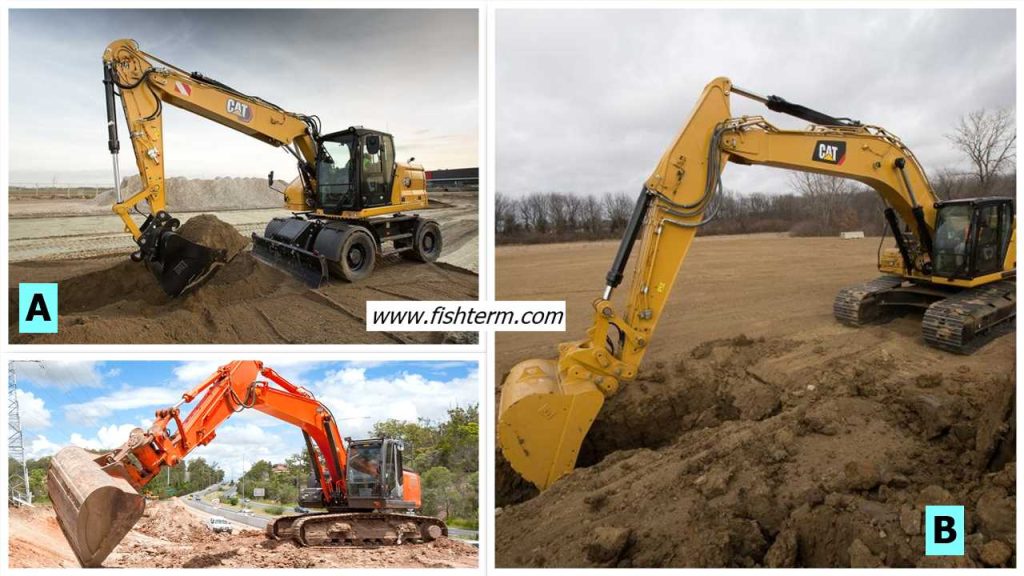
x=353 y=130
x=975 y=201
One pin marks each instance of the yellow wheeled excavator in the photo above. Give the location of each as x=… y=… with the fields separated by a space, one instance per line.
x=350 y=201
x=955 y=259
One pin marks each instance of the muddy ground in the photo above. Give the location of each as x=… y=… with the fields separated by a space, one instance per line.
x=762 y=433
x=109 y=299
x=172 y=535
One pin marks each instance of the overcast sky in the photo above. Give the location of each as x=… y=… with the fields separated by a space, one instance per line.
x=587 y=101
x=410 y=72
x=97 y=404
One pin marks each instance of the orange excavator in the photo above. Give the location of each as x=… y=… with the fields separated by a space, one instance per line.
x=369 y=497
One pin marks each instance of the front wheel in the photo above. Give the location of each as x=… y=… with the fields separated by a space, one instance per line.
x=426 y=242
x=357 y=257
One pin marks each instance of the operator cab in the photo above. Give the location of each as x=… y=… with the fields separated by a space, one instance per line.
x=972 y=237
x=374 y=472
x=355 y=169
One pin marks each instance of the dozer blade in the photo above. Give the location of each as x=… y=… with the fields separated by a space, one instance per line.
x=543 y=418
x=94 y=509
x=305 y=265
x=182 y=264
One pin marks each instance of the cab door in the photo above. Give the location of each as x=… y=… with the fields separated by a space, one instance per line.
x=992 y=223
x=377 y=169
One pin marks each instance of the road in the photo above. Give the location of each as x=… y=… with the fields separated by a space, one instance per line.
x=260 y=521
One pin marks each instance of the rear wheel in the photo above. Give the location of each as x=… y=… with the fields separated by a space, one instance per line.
x=357 y=257
x=426 y=242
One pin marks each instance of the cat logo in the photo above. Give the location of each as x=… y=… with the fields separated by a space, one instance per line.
x=829 y=152
x=240 y=109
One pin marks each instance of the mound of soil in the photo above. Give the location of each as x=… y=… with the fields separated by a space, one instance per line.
x=747 y=452
x=244 y=301
x=200 y=195
x=212 y=232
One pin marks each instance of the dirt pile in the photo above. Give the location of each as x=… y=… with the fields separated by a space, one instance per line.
x=245 y=301
x=173 y=535
x=200 y=195
x=212 y=232
x=174 y=521
x=819 y=451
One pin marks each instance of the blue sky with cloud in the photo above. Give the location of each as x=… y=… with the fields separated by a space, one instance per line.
x=97 y=404
x=411 y=72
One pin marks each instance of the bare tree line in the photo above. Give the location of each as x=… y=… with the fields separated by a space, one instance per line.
x=814 y=205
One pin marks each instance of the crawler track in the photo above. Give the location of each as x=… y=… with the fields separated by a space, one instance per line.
x=861 y=303
x=964 y=322
x=356 y=529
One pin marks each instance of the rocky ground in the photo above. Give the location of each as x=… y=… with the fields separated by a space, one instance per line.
x=172 y=535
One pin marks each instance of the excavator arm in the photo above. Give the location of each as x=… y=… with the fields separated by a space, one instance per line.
x=547 y=406
x=97 y=499
x=144 y=84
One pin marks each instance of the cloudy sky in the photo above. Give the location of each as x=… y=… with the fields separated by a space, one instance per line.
x=588 y=101
x=97 y=404
x=410 y=72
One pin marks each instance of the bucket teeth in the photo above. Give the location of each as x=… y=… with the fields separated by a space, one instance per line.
x=94 y=509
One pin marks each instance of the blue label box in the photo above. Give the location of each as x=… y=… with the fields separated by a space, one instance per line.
x=37 y=308
x=944 y=530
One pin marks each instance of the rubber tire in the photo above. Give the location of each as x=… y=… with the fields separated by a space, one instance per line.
x=358 y=240
x=425 y=229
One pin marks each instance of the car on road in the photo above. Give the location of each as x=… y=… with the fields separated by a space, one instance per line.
x=218 y=524
x=246 y=511
x=301 y=510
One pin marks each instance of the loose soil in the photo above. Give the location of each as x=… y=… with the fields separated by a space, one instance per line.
x=114 y=300
x=761 y=432
x=172 y=535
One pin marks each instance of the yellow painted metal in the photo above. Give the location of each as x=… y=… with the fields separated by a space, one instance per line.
x=146 y=86
x=547 y=406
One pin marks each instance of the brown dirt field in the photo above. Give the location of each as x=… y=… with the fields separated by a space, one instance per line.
x=172 y=535
x=761 y=432
x=114 y=300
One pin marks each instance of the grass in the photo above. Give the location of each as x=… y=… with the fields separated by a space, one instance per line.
x=464 y=523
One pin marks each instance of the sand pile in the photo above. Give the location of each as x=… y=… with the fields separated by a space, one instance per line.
x=199 y=195
x=212 y=232
x=745 y=452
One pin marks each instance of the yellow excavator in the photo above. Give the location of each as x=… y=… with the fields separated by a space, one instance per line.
x=955 y=259
x=348 y=202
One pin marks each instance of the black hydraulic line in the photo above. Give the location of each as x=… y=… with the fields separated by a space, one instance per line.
x=614 y=277
x=113 y=144
x=334 y=452
x=917 y=210
x=890 y=217
x=779 y=104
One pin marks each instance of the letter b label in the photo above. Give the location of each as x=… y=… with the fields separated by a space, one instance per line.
x=944 y=530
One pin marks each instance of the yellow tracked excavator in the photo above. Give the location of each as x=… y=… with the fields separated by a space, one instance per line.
x=351 y=201
x=954 y=259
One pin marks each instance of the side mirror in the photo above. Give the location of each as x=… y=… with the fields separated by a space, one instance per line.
x=411 y=159
x=270 y=179
x=373 y=145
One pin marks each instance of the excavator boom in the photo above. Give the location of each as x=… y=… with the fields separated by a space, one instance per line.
x=97 y=497
x=548 y=405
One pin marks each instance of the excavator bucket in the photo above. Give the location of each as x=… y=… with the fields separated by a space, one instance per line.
x=542 y=419
x=182 y=264
x=305 y=265
x=94 y=509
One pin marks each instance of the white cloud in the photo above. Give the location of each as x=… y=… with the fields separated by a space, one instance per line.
x=39 y=447
x=128 y=398
x=62 y=374
x=358 y=402
x=106 y=438
x=32 y=411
